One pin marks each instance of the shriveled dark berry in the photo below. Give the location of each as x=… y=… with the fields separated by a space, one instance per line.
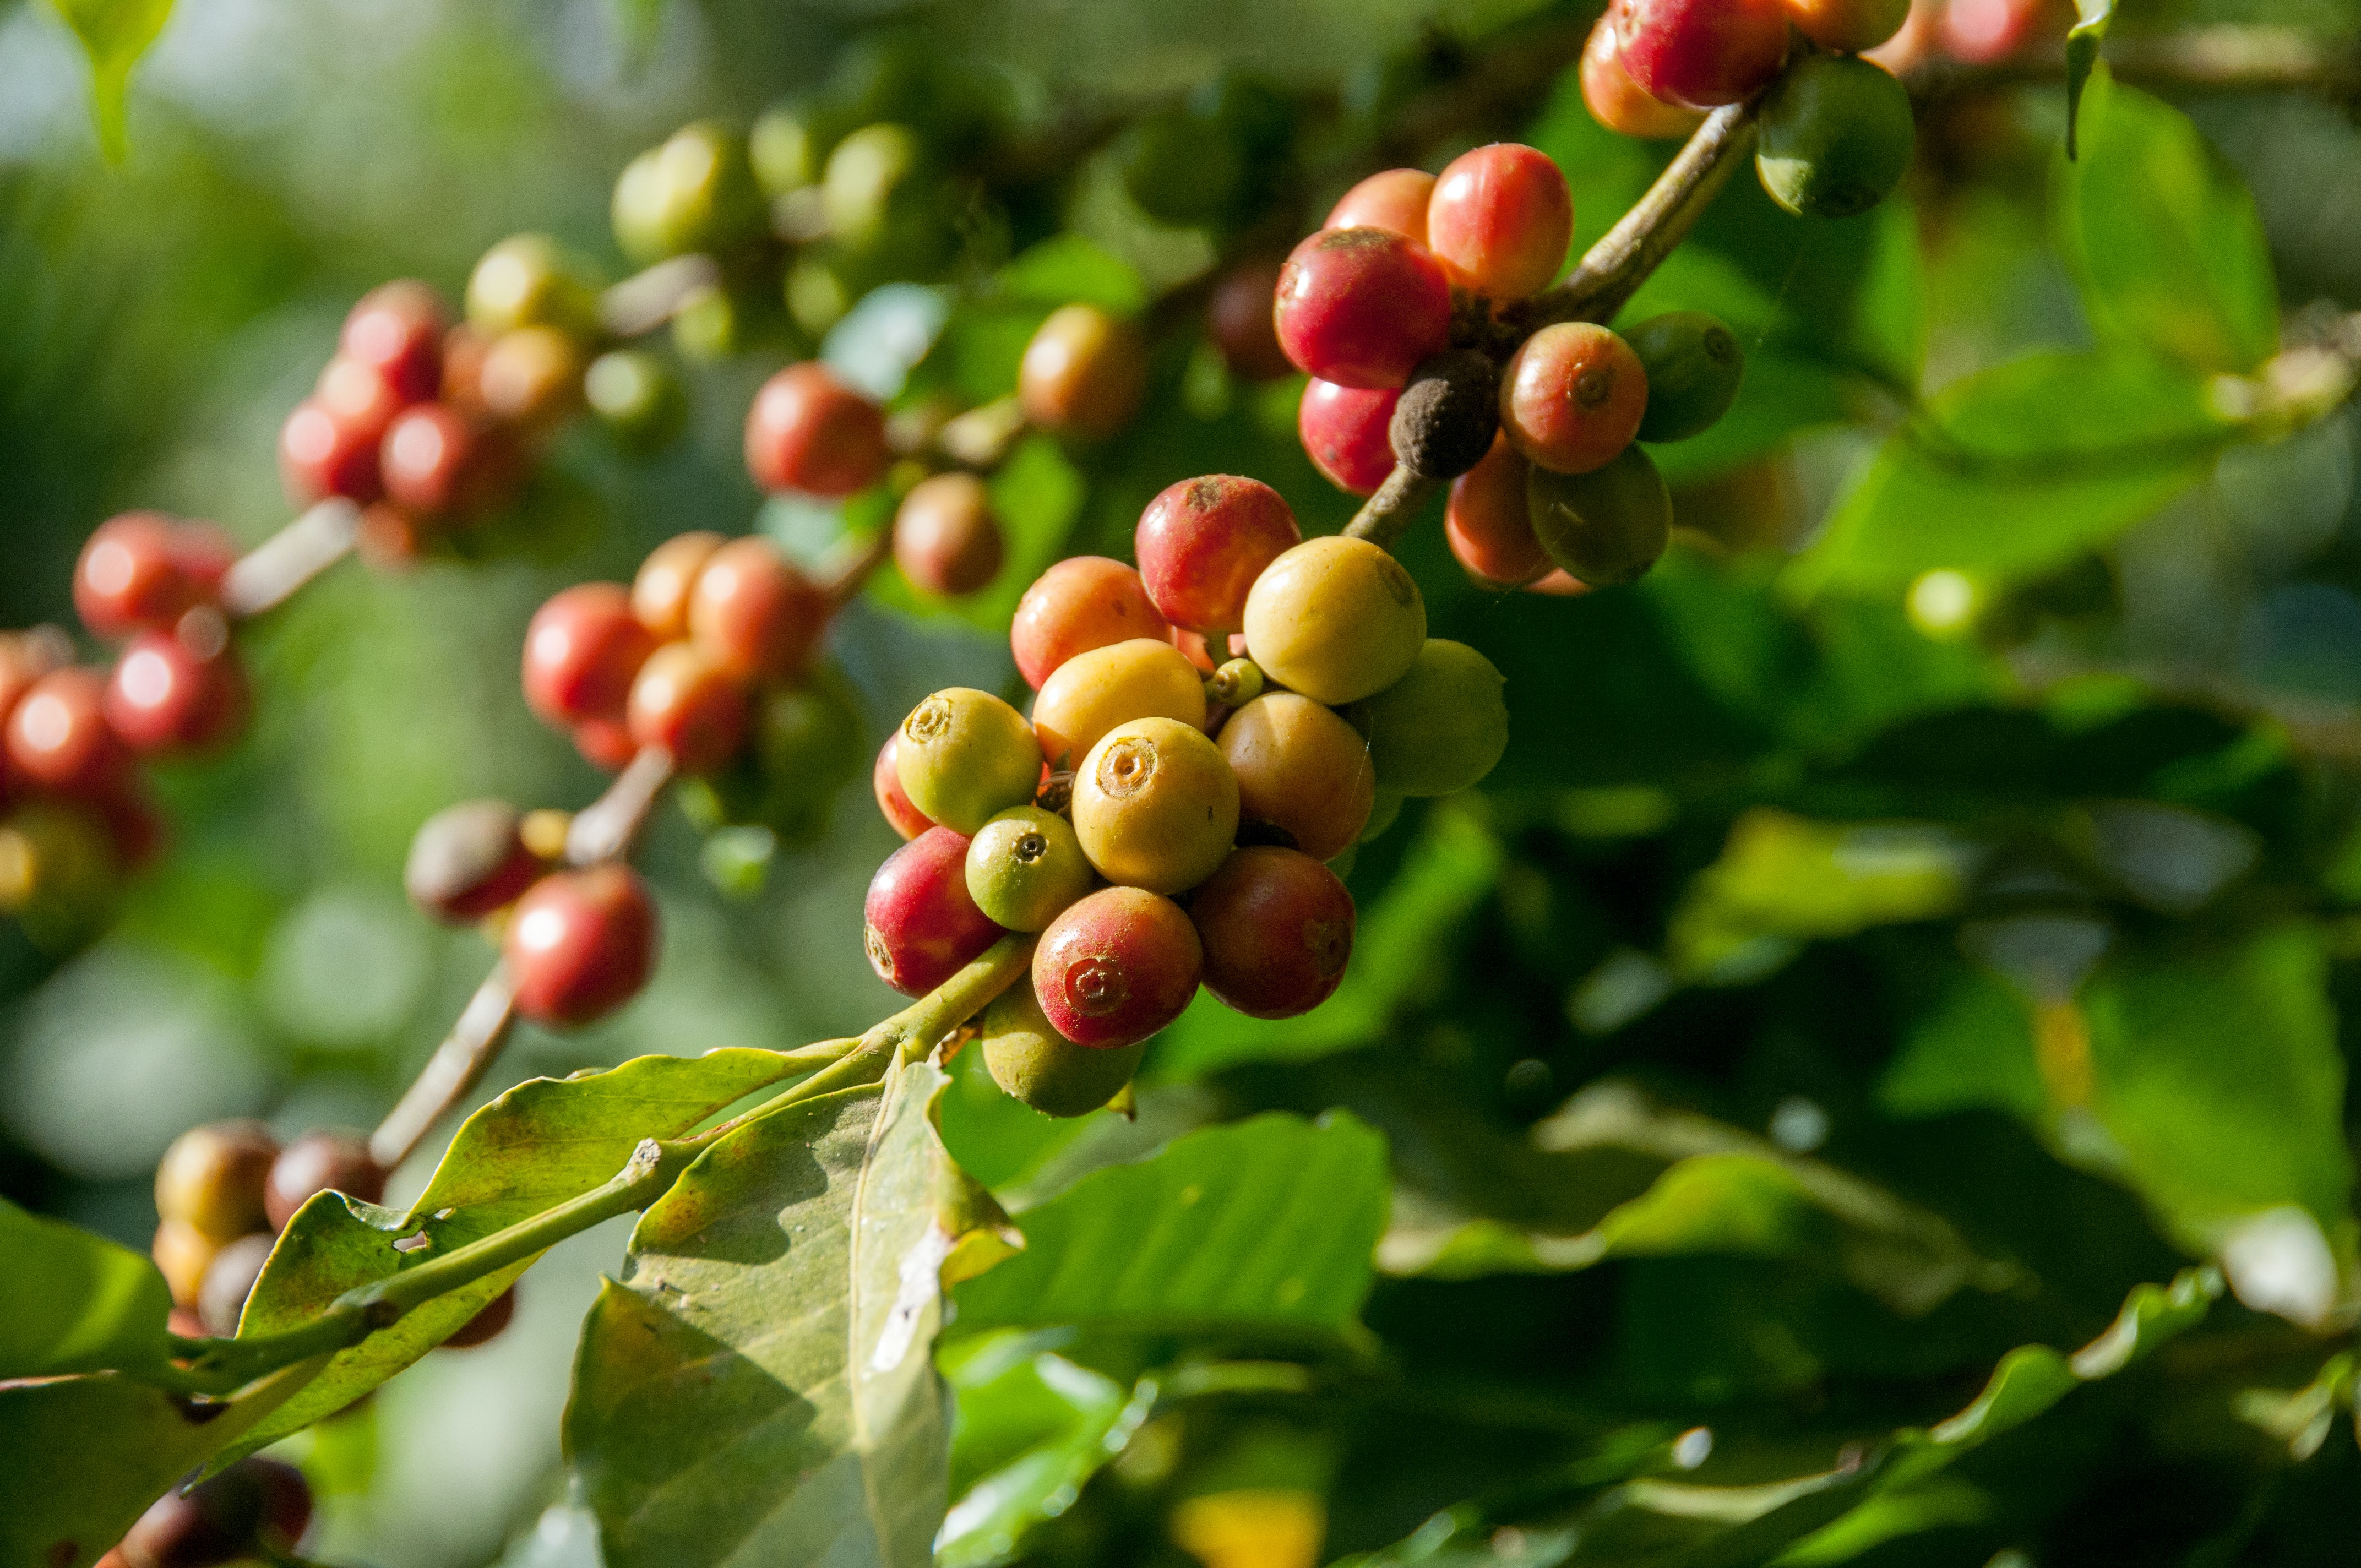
x=1447 y=415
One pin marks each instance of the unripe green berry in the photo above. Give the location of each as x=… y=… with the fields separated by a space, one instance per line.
x=1034 y=1063
x=1025 y=866
x=1447 y=415
x=790 y=145
x=965 y=757
x=1235 y=684
x=1335 y=618
x=1837 y=135
x=808 y=744
x=1607 y=526
x=1439 y=728
x=1155 y=805
x=526 y=280
x=1694 y=366
x=876 y=188
x=636 y=396
x=1384 y=811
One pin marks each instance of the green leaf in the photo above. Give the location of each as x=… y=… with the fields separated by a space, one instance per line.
x=71 y=1302
x=1072 y=1423
x=2164 y=237
x=535 y=1146
x=84 y=1456
x=1070 y=269
x=1264 y=1225
x=759 y=1387
x=2018 y=468
x=114 y=34
x=2083 y=41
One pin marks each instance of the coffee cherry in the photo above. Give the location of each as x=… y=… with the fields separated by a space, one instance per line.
x=807 y=431
x=1558 y=583
x=321 y=1161
x=229 y=1280
x=1572 y=397
x=25 y=657
x=581 y=651
x=254 y=1506
x=58 y=737
x=1335 y=618
x=1447 y=415
x=1082 y=373
x=1345 y=432
x=878 y=196
x=1081 y=603
x=1276 y=927
x=212 y=1177
x=1202 y=543
x=462 y=370
x=579 y=945
x=1616 y=101
x=130 y=575
x=695 y=192
x=921 y=924
x=1026 y=866
x=1439 y=728
x=1693 y=366
x=683 y=701
x=1501 y=220
x=183 y=1253
x=1362 y=307
x=1487 y=524
x=526 y=280
x=1239 y=319
x=395 y=329
x=1116 y=967
x=1235 y=683
x=789 y=146
x=485 y=1325
x=660 y=592
x=1983 y=32
x=321 y=455
x=165 y=696
x=531 y=377
x=205 y=553
x=1836 y=136
x=1037 y=1066
x=1092 y=693
x=1395 y=200
x=636 y=396
x=965 y=757
x=468 y=859
x=436 y=462
x=1700 y=54
x=1301 y=770
x=1606 y=526
x=1847 y=27
x=1155 y=805
x=359 y=399
x=754 y=614
x=604 y=743
x=885 y=782
x=946 y=538
x=61 y=869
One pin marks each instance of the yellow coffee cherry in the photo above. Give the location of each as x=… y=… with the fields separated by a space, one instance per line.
x=965 y=757
x=1034 y=1063
x=1335 y=618
x=1092 y=693
x=1155 y=805
x=1300 y=769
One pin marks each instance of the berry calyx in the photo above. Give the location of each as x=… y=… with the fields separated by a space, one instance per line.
x=1447 y=415
x=754 y=614
x=1347 y=433
x=1201 y=543
x=581 y=651
x=1439 y=728
x=1395 y=200
x=1694 y=366
x=468 y=859
x=579 y=945
x=1362 y=307
x=1155 y=805
x=920 y=925
x=684 y=701
x=965 y=757
x=1037 y=1066
x=1025 y=866
x=1501 y=220
x=1081 y=603
x=1277 y=929
x=946 y=537
x=807 y=431
x=893 y=802
x=1572 y=396
x=212 y=1177
x=321 y=1161
x=1302 y=771
x=1115 y=967
x=1487 y=524
x=1082 y=373
x=1700 y=54
x=1604 y=527
x=661 y=589
x=1335 y=618
x=1092 y=693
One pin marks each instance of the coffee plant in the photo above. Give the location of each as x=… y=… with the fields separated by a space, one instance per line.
x=1620 y=898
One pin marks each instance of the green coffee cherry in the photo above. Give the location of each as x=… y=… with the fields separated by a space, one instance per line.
x=1034 y=1063
x=1693 y=366
x=808 y=744
x=1383 y=814
x=1024 y=866
x=1836 y=136
x=879 y=195
x=965 y=757
x=637 y=397
x=1439 y=728
x=58 y=873
x=526 y=280
x=1237 y=683
x=789 y=146
x=695 y=192
x=1607 y=526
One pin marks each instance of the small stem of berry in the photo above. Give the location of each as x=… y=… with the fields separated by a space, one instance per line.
x=607 y=828
x=267 y=575
x=1385 y=516
x=843 y=581
x=457 y=1065
x=646 y=301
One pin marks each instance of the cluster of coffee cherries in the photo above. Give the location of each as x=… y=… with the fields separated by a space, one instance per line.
x=1162 y=820
x=255 y=1509
x=73 y=812
x=1553 y=487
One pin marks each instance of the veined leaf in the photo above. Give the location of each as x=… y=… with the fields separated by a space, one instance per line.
x=114 y=34
x=71 y=1302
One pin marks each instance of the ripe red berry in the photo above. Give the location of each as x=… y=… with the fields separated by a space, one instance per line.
x=579 y=945
x=58 y=737
x=892 y=800
x=321 y=1161
x=1201 y=543
x=1980 y=32
x=946 y=538
x=1501 y=220
x=1086 y=602
x=1082 y=373
x=1276 y=927
x=134 y=573
x=1362 y=307
x=1392 y=199
x=164 y=694
x=921 y=924
x=1700 y=54
x=319 y=455
x=1344 y=432
x=486 y=1324
x=1487 y=524
x=807 y=431
x=1572 y=396
x=357 y=397
x=1239 y=317
x=1616 y=101
x=606 y=743
x=1116 y=967
x=396 y=329
x=436 y=461
x=468 y=859
x=254 y=1504
x=581 y=651
x=683 y=701
x=754 y=614
x=660 y=593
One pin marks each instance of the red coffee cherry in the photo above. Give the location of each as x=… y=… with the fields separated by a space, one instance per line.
x=1501 y=220
x=660 y=593
x=1238 y=318
x=1086 y=602
x=582 y=649
x=164 y=695
x=604 y=743
x=1848 y=27
x=205 y=553
x=325 y=1159
x=1982 y=32
x=754 y=614
x=256 y=1504
x=1616 y=101
x=892 y=800
x=1116 y=967
x=807 y=431
x=1344 y=431
x=212 y=1178
x=1394 y=200
x=579 y=945
x=1202 y=543
x=683 y=701
x=1362 y=307
x=1572 y=396
x=319 y=456
x=1487 y=524
x=486 y=1324
x=1301 y=770
x=921 y=924
x=1700 y=54
x=1276 y=927
x=357 y=398
x=397 y=331
x=58 y=736
x=946 y=538
x=467 y=860
x=1082 y=373
x=436 y=462
x=134 y=573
